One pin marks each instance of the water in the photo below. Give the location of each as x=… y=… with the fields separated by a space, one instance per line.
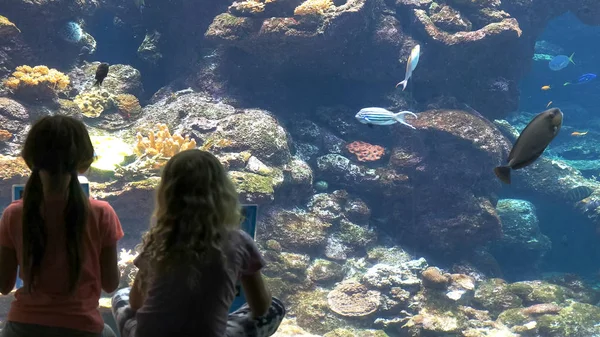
x=367 y=231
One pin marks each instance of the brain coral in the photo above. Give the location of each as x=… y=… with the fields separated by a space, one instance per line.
x=93 y=103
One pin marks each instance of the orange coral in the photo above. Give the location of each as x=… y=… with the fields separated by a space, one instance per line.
x=163 y=143
x=5 y=135
x=365 y=151
x=38 y=82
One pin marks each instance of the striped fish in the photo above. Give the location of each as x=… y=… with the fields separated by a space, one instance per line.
x=579 y=193
x=380 y=116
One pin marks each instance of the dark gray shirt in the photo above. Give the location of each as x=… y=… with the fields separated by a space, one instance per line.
x=172 y=308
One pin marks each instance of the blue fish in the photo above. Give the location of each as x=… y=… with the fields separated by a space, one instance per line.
x=583 y=79
x=380 y=116
x=559 y=62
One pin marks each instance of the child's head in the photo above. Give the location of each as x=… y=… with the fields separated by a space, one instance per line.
x=197 y=204
x=57 y=148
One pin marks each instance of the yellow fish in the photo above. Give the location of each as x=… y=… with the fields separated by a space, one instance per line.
x=577 y=133
x=546 y=87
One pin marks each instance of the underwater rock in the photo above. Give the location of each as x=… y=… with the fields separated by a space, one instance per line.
x=575 y=287
x=537 y=292
x=254 y=188
x=298 y=182
x=306 y=39
x=522 y=246
x=257 y=132
x=325 y=272
x=294 y=229
x=451 y=146
x=149 y=49
x=312 y=312
x=551 y=320
x=496 y=296
x=14 y=125
x=382 y=276
x=352 y=299
x=121 y=79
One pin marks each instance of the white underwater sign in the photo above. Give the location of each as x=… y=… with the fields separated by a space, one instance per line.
x=248 y=225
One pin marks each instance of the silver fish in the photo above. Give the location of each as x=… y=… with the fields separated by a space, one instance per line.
x=380 y=116
x=532 y=142
x=411 y=64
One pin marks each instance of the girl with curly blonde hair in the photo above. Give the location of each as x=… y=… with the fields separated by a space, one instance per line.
x=191 y=259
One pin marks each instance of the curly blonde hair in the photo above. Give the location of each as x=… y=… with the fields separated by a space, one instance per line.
x=196 y=205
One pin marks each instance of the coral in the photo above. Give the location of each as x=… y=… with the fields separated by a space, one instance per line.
x=93 y=103
x=352 y=299
x=294 y=230
x=7 y=27
x=5 y=135
x=128 y=104
x=162 y=143
x=126 y=267
x=37 y=82
x=313 y=7
x=365 y=151
x=253 y=187
x=434 y=278
x=247 y=7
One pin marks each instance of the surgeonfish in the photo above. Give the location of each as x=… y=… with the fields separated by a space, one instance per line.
x=559 y=62
x=380 y=116
x=532 y=142
x=411 y=64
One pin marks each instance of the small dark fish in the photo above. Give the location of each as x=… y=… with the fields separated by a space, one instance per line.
x=101 y=73
x=532 y=142
x=579 y=193
x=583 y=79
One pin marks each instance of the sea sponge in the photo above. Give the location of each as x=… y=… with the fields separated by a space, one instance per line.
x=39 y=82
x=5 y=135
x=93 y=103
x=313 y=7
x=365 y=151
x=128 y=104
x=162 y=143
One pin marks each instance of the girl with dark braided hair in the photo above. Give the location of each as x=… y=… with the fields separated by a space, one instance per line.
x=64 y=243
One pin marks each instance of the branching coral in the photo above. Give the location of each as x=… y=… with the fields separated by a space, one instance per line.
x=39 y=82
x=313 y=7
x=365 y=151
x=162 y=143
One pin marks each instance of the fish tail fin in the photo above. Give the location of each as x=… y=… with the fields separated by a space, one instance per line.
x=571 y=58
x=400 y=118
x=503 y=173
x=403 y=83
